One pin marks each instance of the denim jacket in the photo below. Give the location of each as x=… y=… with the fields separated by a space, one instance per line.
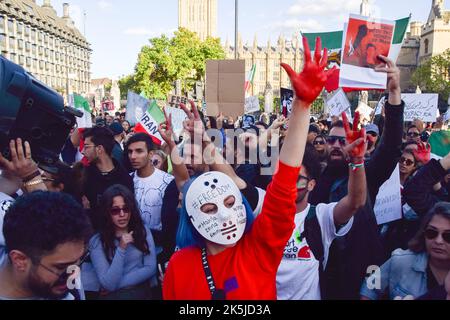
x=405 y=273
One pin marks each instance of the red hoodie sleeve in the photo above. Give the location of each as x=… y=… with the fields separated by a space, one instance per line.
x=274 y=226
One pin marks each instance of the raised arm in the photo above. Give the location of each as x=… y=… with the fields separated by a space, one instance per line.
x=180 y=171
x=386 y=156
x=356 y=197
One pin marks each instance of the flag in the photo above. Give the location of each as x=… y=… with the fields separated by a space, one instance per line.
x=440 y=143
x=333 y=42
x=250 y=78
x=81 y=104
x=150 y=122
x=136 y=107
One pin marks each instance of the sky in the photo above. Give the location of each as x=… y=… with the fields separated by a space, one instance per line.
x=118 y=29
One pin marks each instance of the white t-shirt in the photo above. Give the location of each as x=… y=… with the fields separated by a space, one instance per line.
x=298 y=273
x=5 y=202
x=149 y=195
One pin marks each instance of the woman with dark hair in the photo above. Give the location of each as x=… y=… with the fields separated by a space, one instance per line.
x=321 y=146
x=420 y=269
x=123 y=253
x=126 y=126
x=408 y=166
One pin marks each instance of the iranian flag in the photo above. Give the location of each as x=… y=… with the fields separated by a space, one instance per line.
x=250 y=78
x=81 y=104
x=333 y=42
x=150 y=122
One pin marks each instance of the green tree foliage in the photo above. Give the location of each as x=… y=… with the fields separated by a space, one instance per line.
x=126 y=84
x=166 y=60
x=434 y=75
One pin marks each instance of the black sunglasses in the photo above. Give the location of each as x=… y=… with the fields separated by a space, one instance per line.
x=320 y=142
x=413 y=134
x=332 y=140
x=432 y=234
x=405 y=161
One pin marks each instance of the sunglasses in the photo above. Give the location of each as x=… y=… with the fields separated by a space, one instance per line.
x=319 y=143
x=432 y=234
x=407 y=162
x=332 y=140
x=63 y=276
x=118 y=211
x=413 y=134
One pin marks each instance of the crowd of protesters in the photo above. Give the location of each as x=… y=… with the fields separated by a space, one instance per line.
x=197 y=218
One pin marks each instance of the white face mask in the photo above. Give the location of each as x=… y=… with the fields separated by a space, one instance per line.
x=227 y=225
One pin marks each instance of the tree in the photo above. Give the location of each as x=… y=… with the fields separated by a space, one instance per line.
x=434 y=75
x=166 y=60
x=126 y=84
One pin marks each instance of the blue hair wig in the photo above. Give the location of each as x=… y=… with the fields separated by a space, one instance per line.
x=188 y=236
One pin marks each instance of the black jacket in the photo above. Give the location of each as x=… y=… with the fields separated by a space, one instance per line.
x=350 y=256
x=419 y=193
x=96 y=183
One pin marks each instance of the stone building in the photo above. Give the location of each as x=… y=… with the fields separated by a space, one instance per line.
x=267 y=59
x=48 y=46
x=199 y=16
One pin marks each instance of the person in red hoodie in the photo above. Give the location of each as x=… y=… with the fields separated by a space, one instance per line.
x=224 y=254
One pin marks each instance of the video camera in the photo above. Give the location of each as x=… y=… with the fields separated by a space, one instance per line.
x=33 y=112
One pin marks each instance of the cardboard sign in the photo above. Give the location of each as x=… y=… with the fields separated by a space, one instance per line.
x=175 y=101
x=364 y=40
x=178 y=116
x=251 y=104
x=225 y=81
x=338 y=103
x=388 y=205
x=420 y=106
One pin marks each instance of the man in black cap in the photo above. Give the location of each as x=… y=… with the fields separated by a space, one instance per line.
x=374 y=133
x=119 y=137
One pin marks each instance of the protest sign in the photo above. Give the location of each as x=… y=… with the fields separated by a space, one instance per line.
x=251 y=104
x=338 y=103
x=388 y=204
x=175 y=101
x=287 y=98
x=420 y=106
x=137 y=106
x=225 y=85
x=178 y=116
x=364 y=110
x=364 y=40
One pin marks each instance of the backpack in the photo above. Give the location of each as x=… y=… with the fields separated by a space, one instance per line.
x=313 y=235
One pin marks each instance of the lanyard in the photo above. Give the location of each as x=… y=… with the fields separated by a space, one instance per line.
x=215 y=294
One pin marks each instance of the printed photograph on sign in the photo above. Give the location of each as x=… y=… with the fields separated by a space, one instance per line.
x=365 y=40
x=338 y=103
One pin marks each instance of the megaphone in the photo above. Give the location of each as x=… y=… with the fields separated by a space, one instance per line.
x=33 y=112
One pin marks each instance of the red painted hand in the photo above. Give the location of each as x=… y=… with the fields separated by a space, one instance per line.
x=356 y=139
x=165 y=129
x=423 y=153
x=310 y=82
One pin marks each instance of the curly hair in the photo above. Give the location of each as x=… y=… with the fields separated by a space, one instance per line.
x=38 y=222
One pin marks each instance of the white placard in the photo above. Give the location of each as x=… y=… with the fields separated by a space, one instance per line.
x=178 y=116
x=338 y=103
x=251 y=104
x=364 y=110
x=446 y=116
x=388 y=205
x=420 y=106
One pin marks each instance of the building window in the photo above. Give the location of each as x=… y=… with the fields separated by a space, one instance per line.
x=28 y=62
x=27 y=31
x=40 y=36
x=28 y=46
x=13 y=57
x=41 y=50
x=34 y=50
x=41 y=64
x=2 y=24
x=20 y=44
x=35 y=63
x=21 y=60
x=276 y=76
x=20 y=29
x=47 y=52
x=2 y=42
x=10 y=26
x=427 y=46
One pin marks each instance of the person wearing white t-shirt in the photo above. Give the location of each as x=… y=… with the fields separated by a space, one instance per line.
x=149 y=183
x=299 y=274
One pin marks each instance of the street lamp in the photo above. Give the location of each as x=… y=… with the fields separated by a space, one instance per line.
x=236 y=28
